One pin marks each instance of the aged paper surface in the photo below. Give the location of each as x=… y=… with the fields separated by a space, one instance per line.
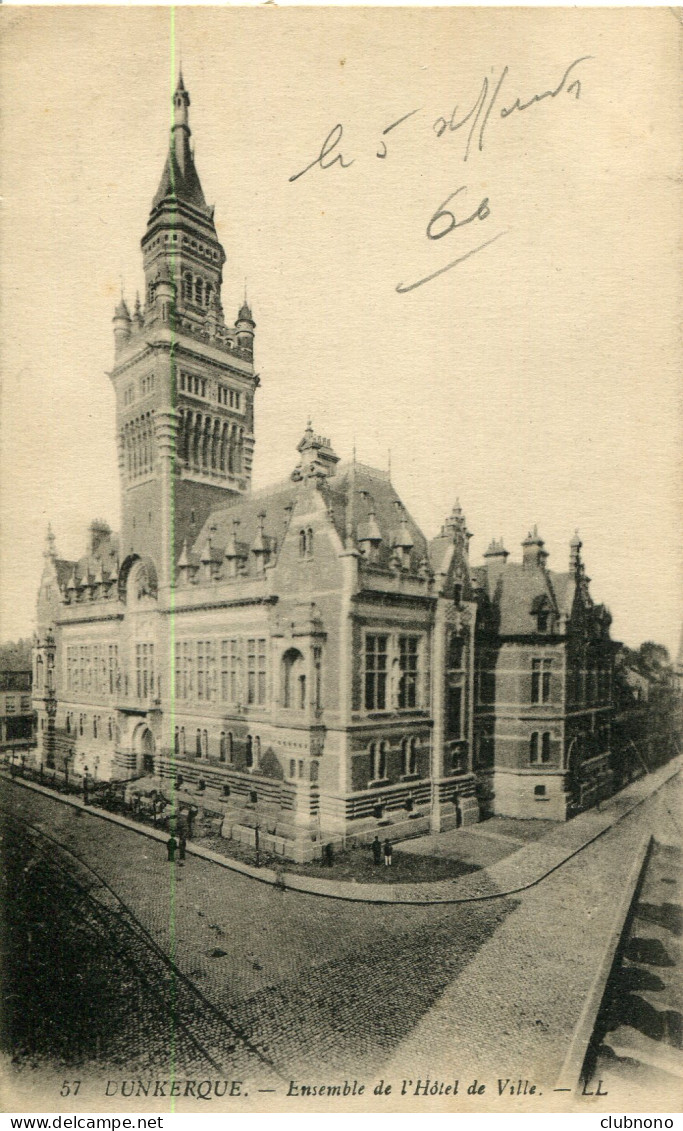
x=459 y=234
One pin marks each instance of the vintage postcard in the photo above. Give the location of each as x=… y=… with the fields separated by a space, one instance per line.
x=340 y=682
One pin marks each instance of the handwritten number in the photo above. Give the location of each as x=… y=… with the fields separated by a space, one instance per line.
x=481 y=213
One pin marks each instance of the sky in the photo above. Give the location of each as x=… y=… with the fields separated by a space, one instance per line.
x=537 y=379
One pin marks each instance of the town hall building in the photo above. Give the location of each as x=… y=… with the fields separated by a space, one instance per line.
x=300 y=658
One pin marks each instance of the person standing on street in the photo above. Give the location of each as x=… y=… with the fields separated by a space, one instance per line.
x=387 y=853
x=182 y=845
x=376 y=850
x=171 y=845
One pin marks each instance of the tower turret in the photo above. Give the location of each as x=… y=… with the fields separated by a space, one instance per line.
x=122 y=325
x=245 y=327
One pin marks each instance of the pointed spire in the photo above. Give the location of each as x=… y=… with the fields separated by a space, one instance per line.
x=575 y=552
x=137 y=314
x=50 y=543
x=179 y=179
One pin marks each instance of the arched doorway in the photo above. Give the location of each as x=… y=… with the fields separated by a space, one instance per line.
x=145 y=748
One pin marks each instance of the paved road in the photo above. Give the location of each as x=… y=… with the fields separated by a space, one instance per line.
x=324 y=987
x=315 y=984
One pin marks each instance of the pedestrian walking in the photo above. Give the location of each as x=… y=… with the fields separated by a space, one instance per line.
x=171 y=845
x=377 y=850
x=387 y=854
x=328 y=856
x=182 y=845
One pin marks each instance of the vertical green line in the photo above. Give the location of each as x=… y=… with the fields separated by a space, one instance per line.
x=170 y=550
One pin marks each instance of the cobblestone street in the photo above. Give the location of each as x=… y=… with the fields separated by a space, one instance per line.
x=324 y=986
x=315 y=983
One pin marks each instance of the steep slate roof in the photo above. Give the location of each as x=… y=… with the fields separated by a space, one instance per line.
x=274 y=501
x=178 y=184
x=518 y=592
x=341 y=492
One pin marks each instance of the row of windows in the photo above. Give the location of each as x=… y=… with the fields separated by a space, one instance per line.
x=137 y=440
x=204 y=749
x=78 y=727
x=92 y=668
x=191 y=383
x=378 y=752
x=386 y=655
x=210 y=443
x=583 y=686
x=196 y=289
x=211 y=670
x=11 y=704
x=229 y=397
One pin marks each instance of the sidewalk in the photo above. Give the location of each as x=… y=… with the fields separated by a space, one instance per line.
x=515 y=873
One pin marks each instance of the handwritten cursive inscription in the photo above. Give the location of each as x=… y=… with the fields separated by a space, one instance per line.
x=327 y=157
x=471 y=124
x=478 y=116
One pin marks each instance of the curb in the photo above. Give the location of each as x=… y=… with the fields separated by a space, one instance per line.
x=413 y=894
x=570 y=1073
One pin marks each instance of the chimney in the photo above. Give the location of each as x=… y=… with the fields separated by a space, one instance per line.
x=99 y=531
x=533 y=553
x=495 y=557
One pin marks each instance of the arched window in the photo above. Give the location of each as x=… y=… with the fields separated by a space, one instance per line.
x=183 y=749
x=176 y=741
x=187 y=286
x=110 y=729
x=230 y=747
x=39 y=672
x=198 y=744
x=309 y=543
x=293 y=689
x=205 y=744
x=249 y=752
x=533 y=747
x=302 y=544
x=68 y=724
x=198 y=285
x=222 y=748
x=208 y=290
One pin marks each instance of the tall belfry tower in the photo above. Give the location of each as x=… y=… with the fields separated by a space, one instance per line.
x=184 y=378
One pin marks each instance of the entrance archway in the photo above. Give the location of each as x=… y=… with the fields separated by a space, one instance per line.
x=145 y=748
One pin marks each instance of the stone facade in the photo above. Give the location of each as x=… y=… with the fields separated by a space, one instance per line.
x=299 y=661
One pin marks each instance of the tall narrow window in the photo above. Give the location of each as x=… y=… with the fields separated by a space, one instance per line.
x=379 y=760
x=249 y=752
x=205 y=744
x=540 y=681
x=533 y=747
x=176 y=742
x=198 y=744
x=545 y=747
x=375 y=672
x=408 y=666
x=200 y=669
x=455 y=712
x=222 y=748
